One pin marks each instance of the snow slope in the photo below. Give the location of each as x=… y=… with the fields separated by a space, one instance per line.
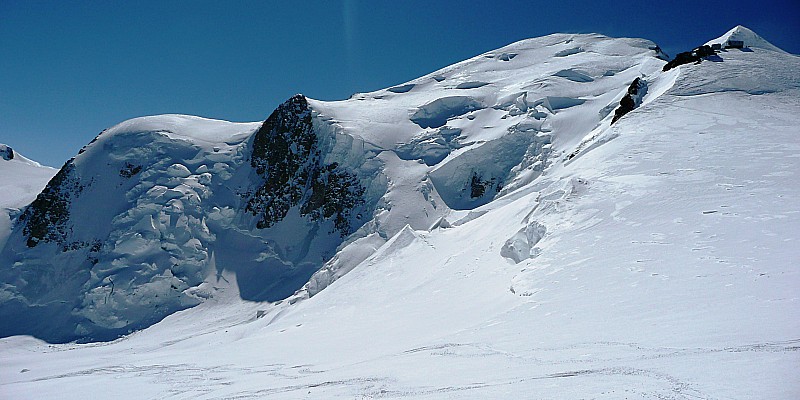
x=651 y=258
x=20 y=180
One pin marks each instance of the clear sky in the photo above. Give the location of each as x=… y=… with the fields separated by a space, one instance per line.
x=69 y=69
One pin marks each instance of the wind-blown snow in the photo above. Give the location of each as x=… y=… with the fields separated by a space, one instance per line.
x=654 y=258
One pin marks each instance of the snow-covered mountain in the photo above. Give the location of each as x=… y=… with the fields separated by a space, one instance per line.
x=147 y=217
x=560 y=216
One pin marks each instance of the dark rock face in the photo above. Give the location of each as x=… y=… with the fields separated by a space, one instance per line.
x=47 y=218
x=129 y=170
x=660 y=53
x=478 y=186
x=334 y=194
x=735 y=44
x=627 y=104
x=91 y=142
x=286 y=155
x=6 y=152
x=696 y=55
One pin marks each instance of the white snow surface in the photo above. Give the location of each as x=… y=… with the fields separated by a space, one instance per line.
x=750 y=39
x=21 y=179
x=655 y=258
x=198 y=130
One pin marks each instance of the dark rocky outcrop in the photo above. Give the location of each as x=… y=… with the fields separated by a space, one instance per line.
x=334 y=194
x=696 y=55
x=478 y=186
x=629 y=101
x=660 y=54
x=47 y=218
x=83 y=149
x=6 y=152
x=286 y=155
x=129 y=170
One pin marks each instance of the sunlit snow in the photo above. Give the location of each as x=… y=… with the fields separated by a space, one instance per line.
x=521 y=246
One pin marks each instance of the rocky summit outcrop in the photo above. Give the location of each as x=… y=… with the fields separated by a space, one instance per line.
x=697 y=54
x=47 y=218
x=287 y=155
x=6 y=152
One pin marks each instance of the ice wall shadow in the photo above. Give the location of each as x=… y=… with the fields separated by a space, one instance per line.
x=261 y=275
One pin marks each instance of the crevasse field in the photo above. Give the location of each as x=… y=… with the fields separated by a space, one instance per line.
x=510 y=242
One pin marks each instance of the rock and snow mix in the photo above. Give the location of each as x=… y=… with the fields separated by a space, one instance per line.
x=20 y=180
x=482 y=231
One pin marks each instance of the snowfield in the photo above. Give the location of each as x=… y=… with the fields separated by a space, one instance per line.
x=519 y=245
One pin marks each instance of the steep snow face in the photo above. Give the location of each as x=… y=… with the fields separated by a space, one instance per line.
x=508 y=105
x=122 y=226
x=460 y=137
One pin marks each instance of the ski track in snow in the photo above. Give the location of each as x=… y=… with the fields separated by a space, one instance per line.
x=623 y=367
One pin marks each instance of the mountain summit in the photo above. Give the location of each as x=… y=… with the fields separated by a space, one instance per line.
x=750 y=38
x=559 y=216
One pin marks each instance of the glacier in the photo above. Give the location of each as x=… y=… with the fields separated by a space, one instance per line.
x=482 y=231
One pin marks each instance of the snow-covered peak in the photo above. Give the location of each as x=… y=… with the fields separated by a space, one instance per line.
x=7 y=153
x=744 y=34
x=196 y=129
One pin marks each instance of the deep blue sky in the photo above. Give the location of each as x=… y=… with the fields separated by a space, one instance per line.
x=70 y=69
